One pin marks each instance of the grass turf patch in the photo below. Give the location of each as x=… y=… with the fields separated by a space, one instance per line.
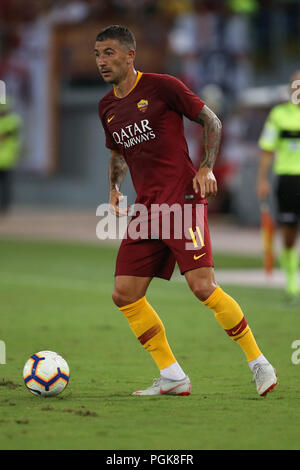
x=57 y=296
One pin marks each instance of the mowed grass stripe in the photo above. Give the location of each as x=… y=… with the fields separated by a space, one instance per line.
x=53 y=282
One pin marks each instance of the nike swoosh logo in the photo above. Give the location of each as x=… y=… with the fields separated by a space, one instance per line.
x=236 y=331
x=163 y=392
x=110 y=119
x=200 y=256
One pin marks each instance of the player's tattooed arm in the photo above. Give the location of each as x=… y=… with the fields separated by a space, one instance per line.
x=205 y=180
x=212 y=131
x=117 y=169
x=117 y=173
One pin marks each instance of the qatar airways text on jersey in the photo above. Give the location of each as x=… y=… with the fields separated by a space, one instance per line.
x=134 y=134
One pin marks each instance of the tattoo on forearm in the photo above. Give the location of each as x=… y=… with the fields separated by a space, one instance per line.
x=117 y=170
x=212 y=130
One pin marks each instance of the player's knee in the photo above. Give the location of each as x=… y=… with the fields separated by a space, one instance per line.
x=121 y=297
x=118 y=298
x=203 y=289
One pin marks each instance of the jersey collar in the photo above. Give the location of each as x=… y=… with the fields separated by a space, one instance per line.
x=138 y=77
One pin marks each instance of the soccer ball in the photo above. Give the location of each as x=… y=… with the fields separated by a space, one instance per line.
x=46 y=373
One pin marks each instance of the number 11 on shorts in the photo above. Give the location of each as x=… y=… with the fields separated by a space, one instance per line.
x=193 y=237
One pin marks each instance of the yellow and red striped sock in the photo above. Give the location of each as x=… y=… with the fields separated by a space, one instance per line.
x=230 y=316
x=150 y=331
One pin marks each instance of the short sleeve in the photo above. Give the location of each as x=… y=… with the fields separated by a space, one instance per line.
x=179 y=97
x=109 y=141
x=269 y=136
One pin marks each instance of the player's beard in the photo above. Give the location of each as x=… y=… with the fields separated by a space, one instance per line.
x=115 y=76
x=111 y=75
x=108 y=78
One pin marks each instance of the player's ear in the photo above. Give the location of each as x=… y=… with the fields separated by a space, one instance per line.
x=130 y=56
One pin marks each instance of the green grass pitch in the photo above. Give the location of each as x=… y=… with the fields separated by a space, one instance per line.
x=57 y=296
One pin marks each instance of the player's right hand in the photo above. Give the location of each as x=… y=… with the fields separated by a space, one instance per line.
x=115 y=197
x=263 y=189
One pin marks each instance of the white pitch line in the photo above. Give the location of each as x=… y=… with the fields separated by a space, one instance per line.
x=247 y=277
x=239 y=277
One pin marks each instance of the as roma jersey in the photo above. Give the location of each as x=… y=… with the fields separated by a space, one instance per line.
x=146 y=127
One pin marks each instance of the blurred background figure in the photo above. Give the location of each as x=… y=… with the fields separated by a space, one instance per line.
x=281 y=137
x=10 y=145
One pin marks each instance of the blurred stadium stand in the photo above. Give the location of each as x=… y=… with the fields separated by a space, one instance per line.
x=236 y=54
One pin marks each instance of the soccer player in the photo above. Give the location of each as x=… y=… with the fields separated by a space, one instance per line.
x=281 y=136
x=142 y=117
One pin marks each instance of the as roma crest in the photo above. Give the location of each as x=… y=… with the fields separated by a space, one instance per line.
x=143 y=105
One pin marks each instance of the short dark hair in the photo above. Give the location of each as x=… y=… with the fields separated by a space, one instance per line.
x=120 y=33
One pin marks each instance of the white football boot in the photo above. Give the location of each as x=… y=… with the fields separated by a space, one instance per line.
x=164 y=386
x=265 y=377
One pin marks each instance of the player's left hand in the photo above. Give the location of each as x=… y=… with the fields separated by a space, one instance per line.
x=115 y=198
x=205 y=182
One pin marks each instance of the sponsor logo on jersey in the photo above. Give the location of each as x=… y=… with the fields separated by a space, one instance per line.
x=143 y=105
x=134 y=134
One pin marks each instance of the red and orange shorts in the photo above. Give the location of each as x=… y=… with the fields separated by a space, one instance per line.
x=152 y=245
